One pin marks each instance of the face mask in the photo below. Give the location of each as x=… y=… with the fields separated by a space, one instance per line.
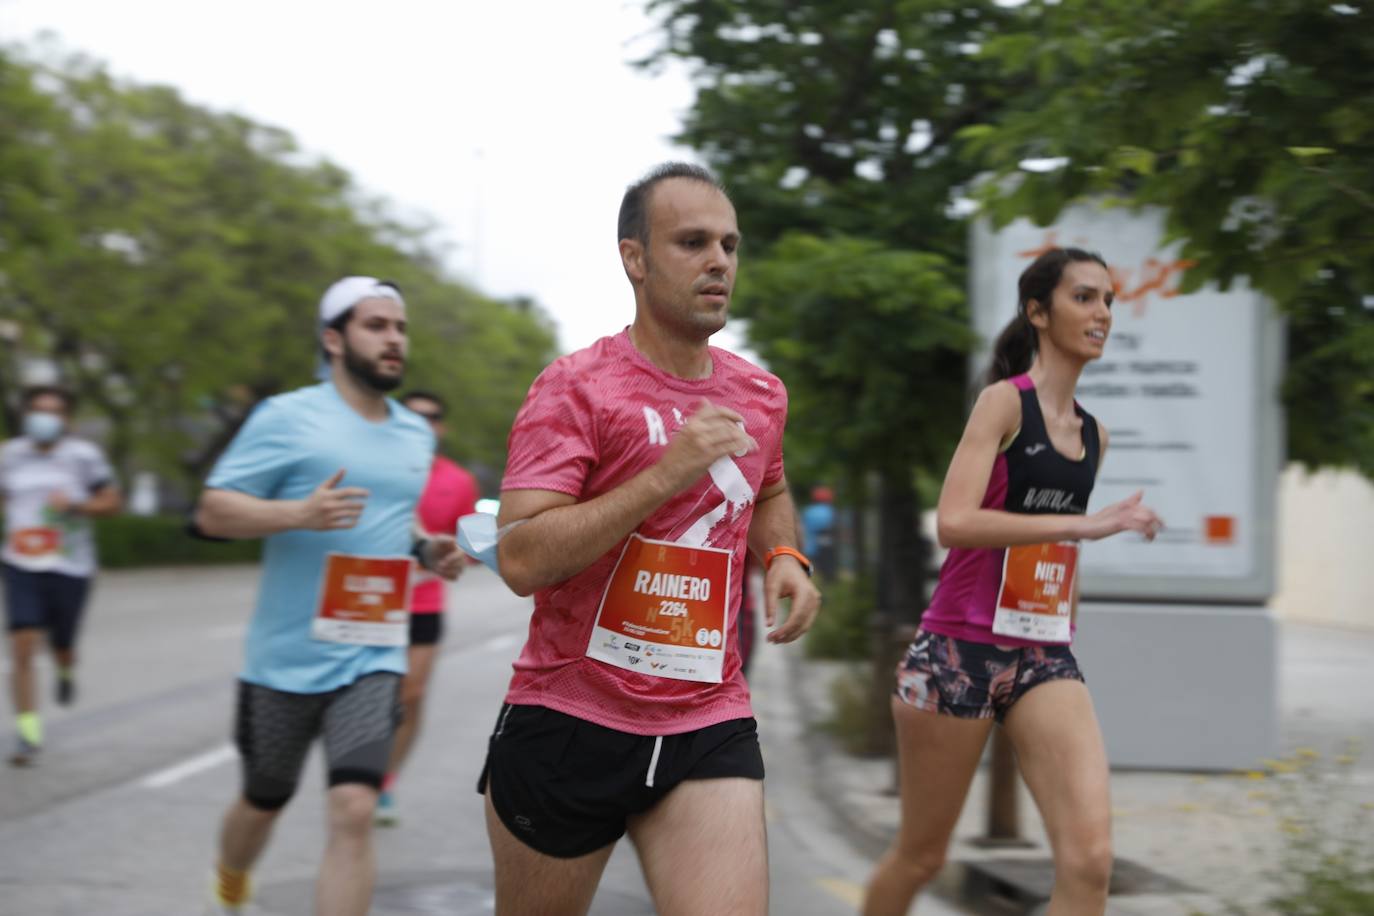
x=42 y=427
x=478 y=537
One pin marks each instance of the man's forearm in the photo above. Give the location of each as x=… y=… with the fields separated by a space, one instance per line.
x=105 y=501
x=774 y=524
x=229 y=514
x=559 y=543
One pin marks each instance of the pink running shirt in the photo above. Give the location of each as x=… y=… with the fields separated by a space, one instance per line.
x=593 y=420
x=450 y=493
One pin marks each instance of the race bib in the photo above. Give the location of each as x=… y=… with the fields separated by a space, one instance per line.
x=664 y=611
x=32 y=543
x=1035 y=601
x=364 y=601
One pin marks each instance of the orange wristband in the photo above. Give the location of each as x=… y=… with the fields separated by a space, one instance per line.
x=786 y=552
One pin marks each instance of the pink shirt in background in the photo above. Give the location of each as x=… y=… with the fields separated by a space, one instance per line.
x=593 y=420
x=450 y=493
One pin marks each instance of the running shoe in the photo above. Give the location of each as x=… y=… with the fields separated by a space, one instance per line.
x=25 y=753
x=386 y=814
x=219 y=908
x=65 y=690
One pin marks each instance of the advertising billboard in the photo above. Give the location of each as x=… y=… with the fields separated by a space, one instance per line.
x=1188 y=390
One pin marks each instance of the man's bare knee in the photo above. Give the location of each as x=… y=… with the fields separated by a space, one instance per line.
x=351 y=807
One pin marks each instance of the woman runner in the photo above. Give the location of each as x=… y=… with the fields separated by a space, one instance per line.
x=994 y=642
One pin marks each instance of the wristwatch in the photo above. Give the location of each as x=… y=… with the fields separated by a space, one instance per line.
x=797 y=555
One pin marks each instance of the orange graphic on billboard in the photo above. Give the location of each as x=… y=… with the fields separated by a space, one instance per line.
x=1220 y=529
x=1153 y=278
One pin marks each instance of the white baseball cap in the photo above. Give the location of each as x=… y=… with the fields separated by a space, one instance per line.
x=343 y=295
x=349 y=291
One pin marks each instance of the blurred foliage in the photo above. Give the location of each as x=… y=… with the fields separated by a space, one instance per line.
x=1253 y=125
x=883 y=120
x=849 y=708
x=870 y=340
x=169 y=259
x=131 y=541
x=843 y=631
x=832 y=123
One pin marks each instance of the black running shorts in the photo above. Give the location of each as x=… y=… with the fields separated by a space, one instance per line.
x=45 y=600
x=426 y=629
x=566 y=787
x=274 y=730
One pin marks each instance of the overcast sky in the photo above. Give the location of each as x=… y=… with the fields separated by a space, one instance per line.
x=515 y=124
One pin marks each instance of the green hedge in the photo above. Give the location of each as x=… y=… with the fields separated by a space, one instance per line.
x=129 y=541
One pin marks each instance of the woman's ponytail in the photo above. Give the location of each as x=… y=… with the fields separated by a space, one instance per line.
x=1014 y=351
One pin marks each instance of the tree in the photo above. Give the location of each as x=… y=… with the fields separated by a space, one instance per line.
x=1252 y=125
x=870 y=340
x=168 y=258
x=833 y=124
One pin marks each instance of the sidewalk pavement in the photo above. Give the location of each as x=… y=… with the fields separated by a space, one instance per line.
x=1219 y=842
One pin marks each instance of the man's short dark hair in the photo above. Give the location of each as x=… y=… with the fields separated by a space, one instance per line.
x=420 y=394
x=339 y=323
x=34 y=392
x=634 y=206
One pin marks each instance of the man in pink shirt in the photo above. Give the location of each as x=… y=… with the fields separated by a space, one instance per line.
x=641 y=471
x=449 y=494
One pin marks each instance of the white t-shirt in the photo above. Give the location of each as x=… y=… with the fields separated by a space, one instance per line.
x=37 y=538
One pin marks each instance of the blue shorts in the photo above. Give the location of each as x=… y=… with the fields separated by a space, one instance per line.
x=46 y=601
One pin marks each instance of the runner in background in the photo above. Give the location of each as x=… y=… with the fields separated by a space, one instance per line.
x=818 y=526
x=450 y=493
x=330 y=475
x=53 y=484
x=994 y=642
x=641 y=471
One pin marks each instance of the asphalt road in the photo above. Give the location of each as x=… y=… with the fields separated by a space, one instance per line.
x=120 y=817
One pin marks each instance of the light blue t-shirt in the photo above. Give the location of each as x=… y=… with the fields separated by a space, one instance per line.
x=290 y=445
x=818 y=521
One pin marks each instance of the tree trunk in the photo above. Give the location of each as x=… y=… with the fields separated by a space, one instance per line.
x=900 y=596
x=858 y=514
x=1004 y=809
x=901 y=551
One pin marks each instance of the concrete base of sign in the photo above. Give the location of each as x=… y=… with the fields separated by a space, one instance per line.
x=1182 y=687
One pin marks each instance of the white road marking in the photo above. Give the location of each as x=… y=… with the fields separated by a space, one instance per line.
x=189 y=767
x=497 y=643
x=226 y=631
x=177 y=772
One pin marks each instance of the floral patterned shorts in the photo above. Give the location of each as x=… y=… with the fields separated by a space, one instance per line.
x=973 y=680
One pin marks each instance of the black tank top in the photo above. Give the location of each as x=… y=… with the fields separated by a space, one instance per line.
x=1040 y=480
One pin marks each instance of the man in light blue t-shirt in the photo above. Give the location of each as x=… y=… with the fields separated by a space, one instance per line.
x=330 y=475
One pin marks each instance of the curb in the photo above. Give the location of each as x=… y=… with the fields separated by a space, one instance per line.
x=825 y=756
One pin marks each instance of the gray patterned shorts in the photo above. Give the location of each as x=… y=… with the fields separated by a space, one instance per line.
x=274 y=730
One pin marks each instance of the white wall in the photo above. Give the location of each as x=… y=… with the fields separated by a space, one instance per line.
x=1325 y=548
